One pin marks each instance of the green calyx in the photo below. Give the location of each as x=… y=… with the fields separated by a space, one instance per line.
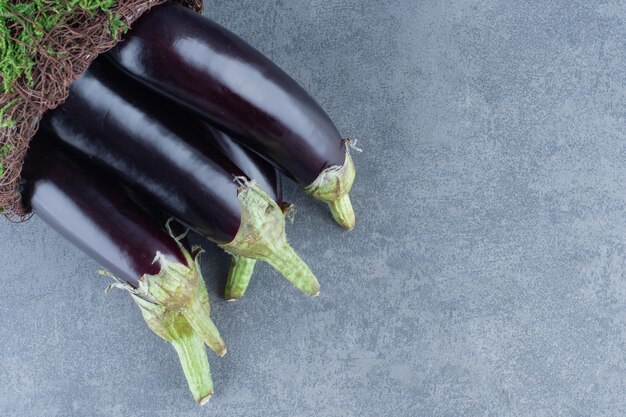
x=261 y=236
x=333 y=186
x=242 y=268
x=175 y=328
x=175 y=305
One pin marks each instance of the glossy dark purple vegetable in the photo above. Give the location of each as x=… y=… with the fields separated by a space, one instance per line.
x=139 y=137
x=152 y=147
x=212 y=71
x=252 y=165
x=257 y=169
x=157 y=215
x=92 y=212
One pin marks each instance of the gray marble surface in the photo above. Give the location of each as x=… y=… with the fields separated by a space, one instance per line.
x=486 y=273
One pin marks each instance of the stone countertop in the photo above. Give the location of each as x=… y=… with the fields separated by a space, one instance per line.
x=485 y=276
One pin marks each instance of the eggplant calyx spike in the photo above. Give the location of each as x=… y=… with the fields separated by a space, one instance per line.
x=332 y=186
x=198 y=311
x=168 y=227
x=289 y=210
x=261 y=236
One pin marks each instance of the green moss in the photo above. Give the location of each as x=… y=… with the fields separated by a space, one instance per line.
x=23 y=28
x=6 y=121
x=4 y=151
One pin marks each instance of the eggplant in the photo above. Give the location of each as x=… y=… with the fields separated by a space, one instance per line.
x=210 y=70
x=163 y=278
x=165 y=220
x=241 y=268
x=158 y=151
x=254 y=167
x=267 y=176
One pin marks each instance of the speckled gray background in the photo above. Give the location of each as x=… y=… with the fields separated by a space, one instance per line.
x=486 y=273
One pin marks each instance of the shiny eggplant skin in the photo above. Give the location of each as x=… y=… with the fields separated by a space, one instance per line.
x=157 y=215
x=151 y=147
x=253 y=166
x=92 y=212
x=212 y=71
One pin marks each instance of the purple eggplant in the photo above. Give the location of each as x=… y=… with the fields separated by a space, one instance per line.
x=93 y=213
x=210 y=70
x=146 y=143
x=266 y=175
x=254 y=166
x=158 y=216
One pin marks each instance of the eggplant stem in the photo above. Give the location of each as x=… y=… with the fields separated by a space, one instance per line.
x=261 y=236
x=172 y=326
x=286 y=261
x=342 y=211
x=175 y=305
x=332 y=186
x=193 y=359
x=239 y=274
